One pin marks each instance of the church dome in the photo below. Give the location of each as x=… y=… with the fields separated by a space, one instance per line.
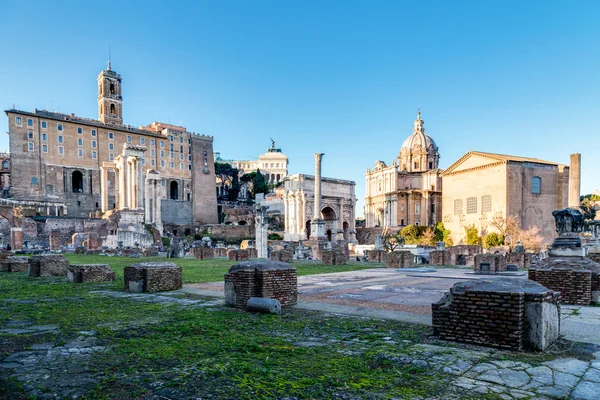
x=419 y=152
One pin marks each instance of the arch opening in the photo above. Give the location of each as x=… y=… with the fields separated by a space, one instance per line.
x=77 y=182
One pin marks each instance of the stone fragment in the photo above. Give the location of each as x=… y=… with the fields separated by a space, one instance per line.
x=260 y=304
x=569 y=365
x=586 y=391
x=592 y=375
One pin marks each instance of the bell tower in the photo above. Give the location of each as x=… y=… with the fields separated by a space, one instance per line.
x=110 y=100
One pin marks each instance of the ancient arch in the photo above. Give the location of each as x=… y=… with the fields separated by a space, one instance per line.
x=242 y=222
x=307 y=229
x=346 y=229
x=328 y=214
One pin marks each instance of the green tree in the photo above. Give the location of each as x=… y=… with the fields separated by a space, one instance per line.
x=428 y=237
x=411 y=234
x=472 y=235
x=587 y=208
x=257 y=182
x=492 y=239
x=392 y=240
x=442 y=234
x=229 y=178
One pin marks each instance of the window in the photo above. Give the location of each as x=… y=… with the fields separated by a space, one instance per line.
x=180 y=139
x=60 y=139
x=142 y=140
x=111 y=157
x=472 y=205
x=417 y=209
x=152 y=162
x=143 y=161
x=93 y=132
x=93 y=144
x=111 y=147
x=486 y=203
x=190 y=157
x=180 y=165
x=80 y=142
x=162 y=163
x=94 y=154
x=416 y=165
x=29 y=122
x=44 y=125
x=162 y=144
x=181 y=149
x=171 y=147
x=111 y=135
x=189 y=167
x=189 y=149
x=30 y=134
x=128 y=138
x=430 y=165
x=34 y=180
x=61 y=150
x=80 y=153
x=18 y=121
x=171 y=138
x=44 y=136
x=79 y=130
x=189 y=141
x=172 y=155
x=151 y=142
x=205 y=154
x=59 y=127
x=30 y=146
x=172 y=164
x=458 y=209
x=536 y=185
x=163 y=182
x=162 y=153
x=151 y=153
x=181 y=156
x=44 y=148
x=4 y=164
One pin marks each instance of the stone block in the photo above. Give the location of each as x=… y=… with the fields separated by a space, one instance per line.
x=333 y=257
x=54 y=240
x=14 y=264
x=80 y=273
x=252 y=252
x=221 y=252
x=152 y=277
x=438 y=257
x=378 y=256
x=489 y=263
x=48 y=265
x=260 y=304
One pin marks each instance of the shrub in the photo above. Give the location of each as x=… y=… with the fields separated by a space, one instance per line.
x=275 y=236
x=492 y=239
x=472 y=235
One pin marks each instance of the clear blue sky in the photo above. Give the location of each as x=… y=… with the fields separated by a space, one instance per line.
x=340 y=77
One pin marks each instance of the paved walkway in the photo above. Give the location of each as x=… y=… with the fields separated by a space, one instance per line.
x=404 y=295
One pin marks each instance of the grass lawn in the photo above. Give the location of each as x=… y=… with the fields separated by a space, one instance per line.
x=111 y=345
x=195 y=271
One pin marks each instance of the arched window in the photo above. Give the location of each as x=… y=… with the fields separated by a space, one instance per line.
x=112 y=88
x=536 y=185
x=77 y=182
x=112 y=109
x=174 y=191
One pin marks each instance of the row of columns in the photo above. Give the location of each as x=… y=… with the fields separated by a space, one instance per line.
x=153 y=201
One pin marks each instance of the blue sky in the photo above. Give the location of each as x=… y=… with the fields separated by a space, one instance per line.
x=340 y=77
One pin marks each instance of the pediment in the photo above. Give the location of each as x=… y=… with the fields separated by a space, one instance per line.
x=473 y=160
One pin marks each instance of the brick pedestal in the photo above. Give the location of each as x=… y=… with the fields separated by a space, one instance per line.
x=285 y=255
x=238 y=255
x=333 y=257
x=378 y=256
x=268 y=279
x=80 y=273
x=489 y=263
x=48 y=265
x=152 y=277
x=203 y=253
x=400 y=259
x=14 y=264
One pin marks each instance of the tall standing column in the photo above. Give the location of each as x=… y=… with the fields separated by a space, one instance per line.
x=104 y=188
x=574 y=180
x=147 y=202
x=317 y=209
x=122 y=179
x=317 y=225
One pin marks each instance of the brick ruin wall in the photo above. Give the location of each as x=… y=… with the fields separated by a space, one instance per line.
x=437 y=257
x=400 y=259
x=284 y=255
x=497 y=263
x=378 y=256
x=575 y=287
x=48 y=265
x=238 y=255
x=522 y=260
x=203 y=253
x=155 y=278
x=333 y=257
x=90 y=273
x=14 y=264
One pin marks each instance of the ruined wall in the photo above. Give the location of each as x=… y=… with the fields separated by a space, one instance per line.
x=575 y=287
x=400 y=259
x=176 y=212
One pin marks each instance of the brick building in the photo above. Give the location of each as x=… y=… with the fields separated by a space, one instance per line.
x=58 y=157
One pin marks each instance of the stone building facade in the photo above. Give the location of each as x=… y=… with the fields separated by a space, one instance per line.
x=480 y=186
x=59 y=157
x=409 y=191
x=338 y=207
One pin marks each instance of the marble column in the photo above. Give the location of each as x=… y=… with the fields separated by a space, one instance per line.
x=574 y=180
x=317 y=209
x=104 y=189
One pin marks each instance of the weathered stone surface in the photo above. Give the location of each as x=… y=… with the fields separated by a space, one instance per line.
x=152 y=277
x=400 y=259
x=489 y=263
x=493 y=313
x=333 y=257
x=284 y=255
x=378 y=256
x=238 y=255
x=203 y=253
